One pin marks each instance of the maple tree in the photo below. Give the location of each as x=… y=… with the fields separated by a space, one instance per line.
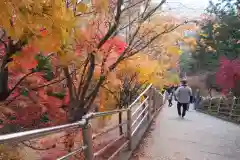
x=218 y=46
x=48 y=42
x=228 y=76
x=44 y=45
x=57 y=57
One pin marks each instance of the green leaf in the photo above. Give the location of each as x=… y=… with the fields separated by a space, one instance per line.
x=44 y=118
x=48 y=75
x=12 y=118
x=24 y=92
x=59 y=95
x=43 y=63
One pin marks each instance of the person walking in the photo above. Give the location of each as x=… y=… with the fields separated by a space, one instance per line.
x=168 y=96
x=174 y=95
x=169 y=90
x=183 y=95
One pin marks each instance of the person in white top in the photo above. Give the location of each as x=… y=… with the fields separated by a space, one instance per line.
x=183 y=95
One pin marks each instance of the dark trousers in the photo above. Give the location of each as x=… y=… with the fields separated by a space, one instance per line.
x=184 y=106
x=170 y=102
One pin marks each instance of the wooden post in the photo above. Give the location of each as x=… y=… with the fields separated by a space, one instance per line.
x=219 y=105
x=232 y=108
x=150 y=100
x=129 y=128
x=87 y=141
x=154 y=98
x=210 y=104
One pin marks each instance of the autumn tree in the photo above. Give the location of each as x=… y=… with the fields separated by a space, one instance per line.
x=43 y=45
x=50 y=45
x=218 y=45
x=57 y=56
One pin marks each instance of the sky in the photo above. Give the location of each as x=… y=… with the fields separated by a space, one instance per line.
x=185 y=8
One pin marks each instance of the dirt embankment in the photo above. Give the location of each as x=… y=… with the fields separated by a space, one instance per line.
x=200 y=81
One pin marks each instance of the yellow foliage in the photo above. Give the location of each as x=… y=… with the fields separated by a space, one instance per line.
x=174 y=49
x=102 y=5
x=46 y=24
x=82 y=7
x=66 y=58
x=9 y=153
x=165 y=47
x=203 y=34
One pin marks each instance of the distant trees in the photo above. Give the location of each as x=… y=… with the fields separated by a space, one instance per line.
x=218 y=47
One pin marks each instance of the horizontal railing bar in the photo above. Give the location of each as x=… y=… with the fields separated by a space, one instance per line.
x=235 y=115
x=140 y=114
x=72 y=153
x=225 y=108
x=26 y=135
x=118 y=150
x=139 y=124
x=100 y=114
x=158 y=92
x=109 y=129
x=101 y=151
x=140 y=96
x=140 y=106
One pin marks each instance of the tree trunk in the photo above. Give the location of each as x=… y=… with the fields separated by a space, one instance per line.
x=4 y=92
x=76 y=111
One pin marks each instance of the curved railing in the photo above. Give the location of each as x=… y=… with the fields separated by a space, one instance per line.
x=138 y=118
x=228 y=108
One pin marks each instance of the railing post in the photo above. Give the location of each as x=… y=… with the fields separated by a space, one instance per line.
x=150 y=102
x=219 y=105
x=232 y=108
x=87 y=140
x=210 y=104
x=154 y=100
x=160 y=102
x=129 y=128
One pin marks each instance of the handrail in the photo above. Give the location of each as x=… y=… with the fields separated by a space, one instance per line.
x=133 y=103
x=109 y=129
x=72 y=153
x=88 y=137
x=26 y=135
x=100 y=114
x=139 y=115
x=140 y=106
x=221 y=109
x=135 y=130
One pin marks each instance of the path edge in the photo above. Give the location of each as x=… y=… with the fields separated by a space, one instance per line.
x=128 y=154
x=219 y=117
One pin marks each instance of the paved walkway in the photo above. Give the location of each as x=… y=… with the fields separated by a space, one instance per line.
x=197 y=137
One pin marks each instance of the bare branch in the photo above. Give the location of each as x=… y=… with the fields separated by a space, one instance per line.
x=133 y=5
x=82 y=78
x=20 y=81
x=89 y=76
x=154 y=38
x=115 y=25
x=69 y=82
x=38 y=148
